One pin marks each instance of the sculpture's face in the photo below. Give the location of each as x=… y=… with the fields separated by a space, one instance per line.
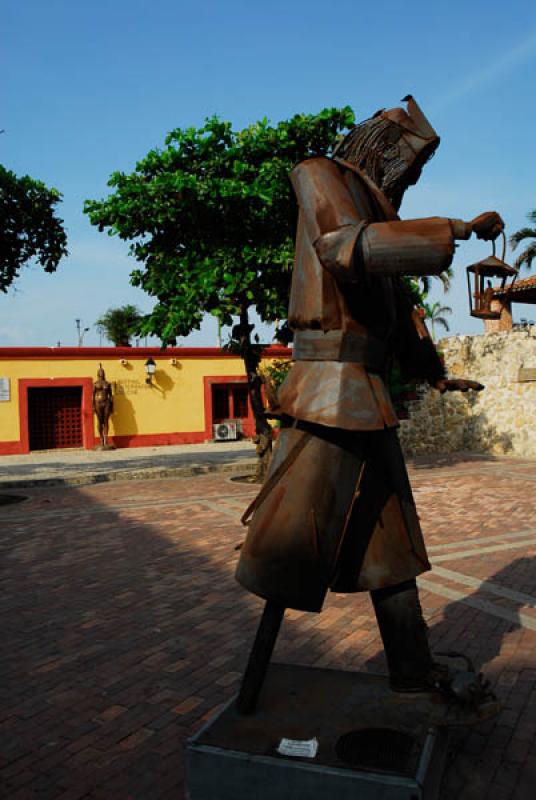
x=101 y=375
x=395 y=192
x=391 y=148
x=401 y=164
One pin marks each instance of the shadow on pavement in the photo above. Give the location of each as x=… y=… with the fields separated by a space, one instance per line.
x=119 y=634
x=124 y=630
x=469 y=629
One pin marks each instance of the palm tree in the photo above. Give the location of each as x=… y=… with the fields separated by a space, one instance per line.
x=445 y=277
x=435 y=314
x=118 y=324
x=529 y=253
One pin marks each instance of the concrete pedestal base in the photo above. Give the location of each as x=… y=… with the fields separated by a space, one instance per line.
x=235 y=757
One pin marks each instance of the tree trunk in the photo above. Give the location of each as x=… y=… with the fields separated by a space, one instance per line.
x=263 y=431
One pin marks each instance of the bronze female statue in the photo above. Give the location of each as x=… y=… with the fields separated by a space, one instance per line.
x=102 y=406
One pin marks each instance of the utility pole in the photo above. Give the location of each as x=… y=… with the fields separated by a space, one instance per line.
x=81 y=332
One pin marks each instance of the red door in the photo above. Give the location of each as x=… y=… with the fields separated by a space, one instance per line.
x=55 y=417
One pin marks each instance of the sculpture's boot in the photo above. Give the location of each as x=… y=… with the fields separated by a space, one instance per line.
x=460 y=697
x=404 y=635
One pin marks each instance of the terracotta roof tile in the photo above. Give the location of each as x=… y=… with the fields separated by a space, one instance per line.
x=519 y=286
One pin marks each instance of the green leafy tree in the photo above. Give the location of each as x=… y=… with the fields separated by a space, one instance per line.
x=273 y=374
x=529 y=253
x=436 y=314
x=29 y=228
x=119 y=324
x=211 y=219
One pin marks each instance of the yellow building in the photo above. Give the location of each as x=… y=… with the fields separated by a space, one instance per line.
x=46 y=396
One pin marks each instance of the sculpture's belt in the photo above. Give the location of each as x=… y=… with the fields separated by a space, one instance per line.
x=340 y=346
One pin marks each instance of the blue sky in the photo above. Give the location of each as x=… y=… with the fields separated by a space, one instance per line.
x=89 y=88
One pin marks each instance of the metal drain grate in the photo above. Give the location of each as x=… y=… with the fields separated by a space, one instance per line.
x=376 y=748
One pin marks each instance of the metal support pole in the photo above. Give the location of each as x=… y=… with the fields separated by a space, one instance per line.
x=259 y=658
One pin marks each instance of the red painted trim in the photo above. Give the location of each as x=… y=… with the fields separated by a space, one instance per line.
x=248 y=425
x=130 y=353
x=10 y=449
x=135 y=440
x=88 y=436
x=158 y=439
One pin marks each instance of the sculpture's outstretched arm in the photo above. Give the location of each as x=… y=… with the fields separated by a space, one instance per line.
x=347 y=244
x=419 y=246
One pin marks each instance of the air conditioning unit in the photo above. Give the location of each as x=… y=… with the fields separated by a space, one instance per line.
x=225 y=431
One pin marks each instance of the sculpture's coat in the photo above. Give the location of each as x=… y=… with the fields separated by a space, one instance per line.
x=337 y=510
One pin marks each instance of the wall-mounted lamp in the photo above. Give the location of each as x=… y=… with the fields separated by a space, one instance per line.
x=173 y=362
x=150 y=369
x=123 y=362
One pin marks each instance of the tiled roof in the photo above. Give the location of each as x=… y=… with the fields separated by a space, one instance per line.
x=523 y=285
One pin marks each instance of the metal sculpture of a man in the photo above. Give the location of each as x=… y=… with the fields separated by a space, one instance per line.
x=336 y=511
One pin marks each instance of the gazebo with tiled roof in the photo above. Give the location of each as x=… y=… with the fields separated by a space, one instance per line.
x=523 y=291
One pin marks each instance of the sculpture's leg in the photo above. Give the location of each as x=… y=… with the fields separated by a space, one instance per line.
x=260 y=657
x=467 y=698
x=404 y=635
x=100 y=424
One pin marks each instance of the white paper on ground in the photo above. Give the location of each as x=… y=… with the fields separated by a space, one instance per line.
x=303 y=748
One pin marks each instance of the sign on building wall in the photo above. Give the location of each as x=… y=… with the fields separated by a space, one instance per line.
x=5 y=394
x=129 y=386
x=526 y=374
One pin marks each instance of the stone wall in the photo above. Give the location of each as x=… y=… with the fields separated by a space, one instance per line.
x=503 y=307
x=499 y=420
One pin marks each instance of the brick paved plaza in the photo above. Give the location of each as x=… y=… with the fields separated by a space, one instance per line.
x=123 y=629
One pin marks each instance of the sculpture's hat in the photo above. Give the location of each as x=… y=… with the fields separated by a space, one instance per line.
x=390 y=147
x=418 y=134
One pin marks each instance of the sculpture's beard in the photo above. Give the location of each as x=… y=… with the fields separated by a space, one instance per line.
x=396 y=196
x=373 y=146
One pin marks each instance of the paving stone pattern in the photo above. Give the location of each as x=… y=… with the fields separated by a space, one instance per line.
x=81 y=467
x=123 y=630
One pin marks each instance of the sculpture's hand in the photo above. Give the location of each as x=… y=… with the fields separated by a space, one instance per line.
x=457 y=385
x=488 y=225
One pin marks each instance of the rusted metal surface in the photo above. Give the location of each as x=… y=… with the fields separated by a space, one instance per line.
x=259 y=658
x=341 y=516
x=337 y=510
x=396 y=247
x=483 y=293
x=352 y=316
x=350 y=397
